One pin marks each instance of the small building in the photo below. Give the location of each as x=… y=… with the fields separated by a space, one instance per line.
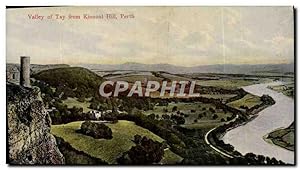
x=19 y=73
x=95 y=114
x=13 y=73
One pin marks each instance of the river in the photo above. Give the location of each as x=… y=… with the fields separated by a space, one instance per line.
x=249 y=137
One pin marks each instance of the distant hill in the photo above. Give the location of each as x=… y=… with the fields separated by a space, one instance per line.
x=35 y=68
x=73 y=81
x=219 y=68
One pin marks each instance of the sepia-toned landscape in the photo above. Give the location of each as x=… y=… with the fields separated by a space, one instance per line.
x=225 y=86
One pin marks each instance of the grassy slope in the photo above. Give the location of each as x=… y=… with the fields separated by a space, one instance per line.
x=107 y=150
x=249 y=100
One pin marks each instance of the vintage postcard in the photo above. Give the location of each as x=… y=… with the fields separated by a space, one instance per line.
x=150 y=85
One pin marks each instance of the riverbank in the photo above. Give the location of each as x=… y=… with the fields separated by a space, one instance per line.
x=249 y=137
x=282 y=137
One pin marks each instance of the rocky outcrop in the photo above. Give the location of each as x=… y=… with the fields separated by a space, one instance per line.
x=28 y=123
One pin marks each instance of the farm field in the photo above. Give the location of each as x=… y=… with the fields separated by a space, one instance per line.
x=227 y=83
x=201 y=112
x=174 y=77
x=218 y=96
x=108 y=150
x=134 y=78
x=204 y=125
x=249 y=101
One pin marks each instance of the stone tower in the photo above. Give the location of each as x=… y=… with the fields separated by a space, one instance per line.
x=25 y=71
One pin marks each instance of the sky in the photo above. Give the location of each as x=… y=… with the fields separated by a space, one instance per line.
x=184 y=36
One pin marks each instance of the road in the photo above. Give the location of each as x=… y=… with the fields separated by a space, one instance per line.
x=212 y=146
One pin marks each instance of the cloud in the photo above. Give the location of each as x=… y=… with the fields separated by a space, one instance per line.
x=176 y=35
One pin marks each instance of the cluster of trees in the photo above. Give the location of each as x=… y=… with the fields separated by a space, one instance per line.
x=268 y=100
x=71 y=81
x=96 y=130
x=179 y=120
x=218 y=90
x=145 y=152
x=188 y=143
x=175 y=119
x=101 y=104
x=227 y=147
x=141 y=103
x=252 y=159
x=240 y=93
x=161 y=127
x=215 y=116
x=63 y=114
x=49 y=96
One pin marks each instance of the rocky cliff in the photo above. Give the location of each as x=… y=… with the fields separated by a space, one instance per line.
x=28 y=125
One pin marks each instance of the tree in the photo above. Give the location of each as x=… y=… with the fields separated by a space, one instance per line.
x=157 y=116
x=178 y=119
x=81 y=99
x=212 y=110
x=215 y=116
x=228 y=118
x=94 y=106
x=174 y=109
x=165 y=117
x=96 y=130
x=145 y=152
x=165 y=110
x=151 y=116
x=200 y=116
x=267 y=99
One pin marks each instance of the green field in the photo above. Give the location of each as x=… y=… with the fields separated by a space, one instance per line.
x=108 y=150
x=249 y=100
x=173 y=77
x=203 y=125
x=71 y=102
x=186 y=108
x=227 y=84
x=286 y=89
x=134 y=78
x=283 y=137
x=218 y=96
